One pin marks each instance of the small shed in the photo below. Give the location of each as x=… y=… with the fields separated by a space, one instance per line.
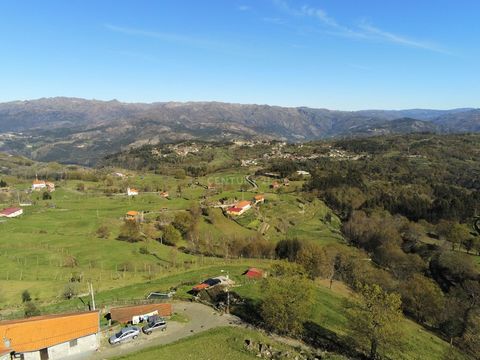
x=135 y=313
x=253 y=273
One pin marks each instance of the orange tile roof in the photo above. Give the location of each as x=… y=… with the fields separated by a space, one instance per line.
x=38 y=182
x=200 y=287
x=126 y=313
x=242 y=204
x=41 y=332
x=133 y=190
x=259 y=197
x=132 y=213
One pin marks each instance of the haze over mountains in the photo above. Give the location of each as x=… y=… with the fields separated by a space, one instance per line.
x=82 y=131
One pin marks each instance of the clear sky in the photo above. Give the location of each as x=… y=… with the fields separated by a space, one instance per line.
x=337 y=54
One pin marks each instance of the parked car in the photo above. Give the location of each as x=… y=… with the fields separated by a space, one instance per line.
x=154 y=323
x=127 y=333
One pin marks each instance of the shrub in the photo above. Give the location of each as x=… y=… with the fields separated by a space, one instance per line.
x=26 y=296
x=103 y=232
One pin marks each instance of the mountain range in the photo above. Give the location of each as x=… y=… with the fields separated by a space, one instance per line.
x=82 y=131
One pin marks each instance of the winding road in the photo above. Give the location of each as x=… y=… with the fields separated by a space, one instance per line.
x=251 y=181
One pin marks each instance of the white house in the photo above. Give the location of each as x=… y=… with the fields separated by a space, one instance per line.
x=64 y=336
x=38 y=185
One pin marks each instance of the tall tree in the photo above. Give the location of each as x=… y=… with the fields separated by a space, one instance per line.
x=287 y=304
x=423 y=299
x=374 y=320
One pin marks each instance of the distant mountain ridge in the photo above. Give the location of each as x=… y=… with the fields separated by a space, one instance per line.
x=80 y=130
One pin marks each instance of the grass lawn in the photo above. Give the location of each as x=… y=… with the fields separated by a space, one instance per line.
x=55 y=240
x=216 y=344
x=328 y=313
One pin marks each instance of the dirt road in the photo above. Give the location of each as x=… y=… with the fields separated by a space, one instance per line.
x=200 y=317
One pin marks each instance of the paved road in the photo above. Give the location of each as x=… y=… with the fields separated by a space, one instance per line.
x=200 y=317
x=251 y=181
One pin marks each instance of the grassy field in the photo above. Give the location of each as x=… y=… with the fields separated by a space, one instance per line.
x=328 y=314
x=37 y=249
x=56 y=239
x=216 y=344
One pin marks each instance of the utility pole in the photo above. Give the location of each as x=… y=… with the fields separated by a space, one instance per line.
x=92 y=295
x=227 y=291
x=228 y=294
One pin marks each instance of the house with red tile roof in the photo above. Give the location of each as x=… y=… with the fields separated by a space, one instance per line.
x=239 y=208
x=51 y=336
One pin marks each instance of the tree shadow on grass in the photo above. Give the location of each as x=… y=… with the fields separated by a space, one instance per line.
x=321 y=338
x=248 y=311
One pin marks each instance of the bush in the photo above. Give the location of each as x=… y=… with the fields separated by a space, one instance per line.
x=69 y=291
x=103 y=232
x=31 y=309
x=70 y=261
x=26 y=296
x=46 y=195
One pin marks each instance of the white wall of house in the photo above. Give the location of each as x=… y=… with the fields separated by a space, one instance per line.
x=15 y=214
x=38 y=186
x=64 y=350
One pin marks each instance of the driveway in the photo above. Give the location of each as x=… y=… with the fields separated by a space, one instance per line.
x=201 y=318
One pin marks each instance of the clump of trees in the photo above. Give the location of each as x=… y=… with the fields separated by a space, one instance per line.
x=131 y=232
x=373 y=320
x=287 y=302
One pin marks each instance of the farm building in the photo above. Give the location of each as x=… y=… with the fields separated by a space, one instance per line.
x=254 y=273
x=259 y=198
x=239 y=208
x=51 y=336
x=138 y=313
x=132 y=191
x=11 y=212
x=211 y=282
x=164 y=194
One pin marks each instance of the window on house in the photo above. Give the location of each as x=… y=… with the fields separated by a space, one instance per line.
x=73 y=342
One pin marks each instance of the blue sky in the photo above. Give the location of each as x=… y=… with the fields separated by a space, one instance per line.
x=337 y=54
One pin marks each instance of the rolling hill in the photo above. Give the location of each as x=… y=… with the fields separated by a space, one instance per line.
x=82 y=131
